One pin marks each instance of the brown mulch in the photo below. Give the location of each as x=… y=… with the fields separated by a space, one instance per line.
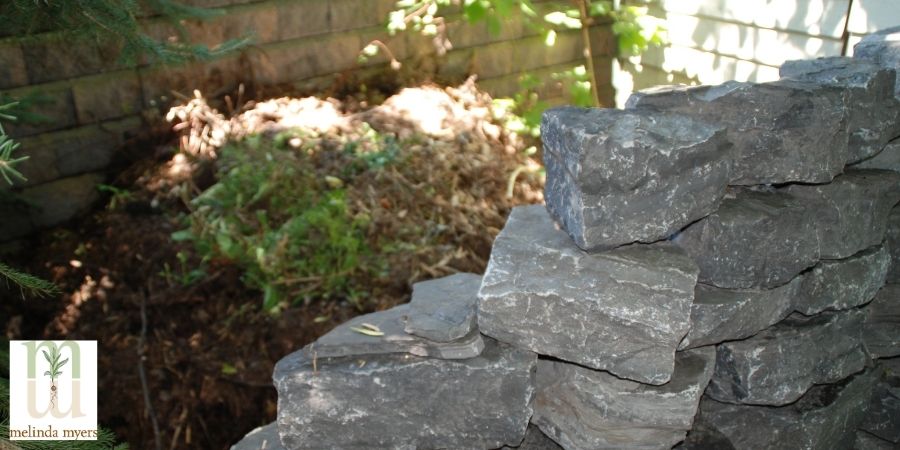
x=208 y=351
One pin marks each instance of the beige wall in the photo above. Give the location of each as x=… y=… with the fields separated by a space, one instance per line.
x=712 y=41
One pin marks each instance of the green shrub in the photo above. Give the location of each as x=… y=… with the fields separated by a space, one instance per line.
x=288 y=226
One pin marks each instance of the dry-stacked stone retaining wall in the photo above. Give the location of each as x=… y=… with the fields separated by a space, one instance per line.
x=709 y=272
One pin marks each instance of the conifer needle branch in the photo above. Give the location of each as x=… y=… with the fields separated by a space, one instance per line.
x=34 y=285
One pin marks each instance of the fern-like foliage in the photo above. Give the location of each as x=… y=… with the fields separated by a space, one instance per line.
x=29 y=284
x=116 y=20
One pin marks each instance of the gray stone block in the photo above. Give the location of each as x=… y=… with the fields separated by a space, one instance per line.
x=615 y=177
x=726 y=244
x=587 y=409
x=844 y=283
x=535 y=440
x=623 y=311
x=866 y=441
x=74 y=151
x=719 y=315
x=883 y=417
x=888 y=159
x=851 y=212
x=405 y=401
x=784 y=131
x=881 y=330
x=16 y=221
x=12 y=71
x=346 y=340
x=262 y=438
x=883 y=48
x=41 y=165
x=874 y=113
x=443 y=310
x=826 y=417
x=778 y=365
x=702 y=437
x=56 y=108
x=60 y=200
x=892 y=240
x=107 y=96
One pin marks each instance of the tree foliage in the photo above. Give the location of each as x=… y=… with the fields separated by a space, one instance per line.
x=635 y=31
x=634 y=28
x=115 y=21
x=29 y=283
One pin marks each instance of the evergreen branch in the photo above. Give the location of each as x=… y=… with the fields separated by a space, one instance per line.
x=116 y=20
x=7 y=146
x=34 y=285
x=4 y=394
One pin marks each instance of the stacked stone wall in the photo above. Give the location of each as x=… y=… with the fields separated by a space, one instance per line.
x=714 y=268
x=93 y=103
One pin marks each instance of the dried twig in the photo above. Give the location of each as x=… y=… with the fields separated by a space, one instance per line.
x=177 y=433
x=143 y=375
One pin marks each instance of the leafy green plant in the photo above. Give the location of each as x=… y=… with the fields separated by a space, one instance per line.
x=117 y=196
x=287 y=227
x=522 y=112
x=636 y=30
x=186 y=275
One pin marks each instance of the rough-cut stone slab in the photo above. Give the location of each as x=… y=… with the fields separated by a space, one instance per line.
x=844 y=283
x=702 y=437
x=883 y=48
x=883 y=418
x=615 y=177
x=443 y=310
x=776 y=366
x=727 y=245
x=535 y=440
x=784 y=131
x=623 y=311
x=881 y=330
x=888 y=159
x=262 y=438
x=586 y=409
x=344 y=341
x=404 y=401
x=873 y=111
x=719 y=315
x=866 y=441
x=825 y=418
x=892 y=239
x=851 y=212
